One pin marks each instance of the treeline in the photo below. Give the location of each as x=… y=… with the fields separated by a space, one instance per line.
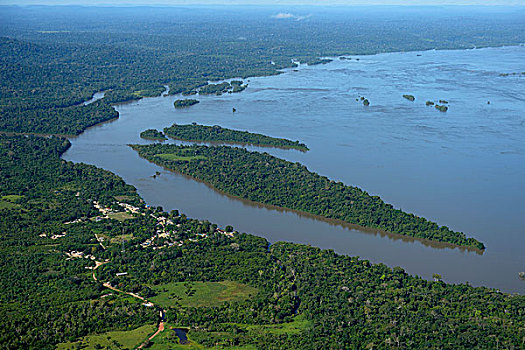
x=221 y=88
x=204 y=133
x=70 y=120
x=131 y=54
x=263 y=178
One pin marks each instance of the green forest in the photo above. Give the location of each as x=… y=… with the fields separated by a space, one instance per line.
x=153 y=134
x=263 y=178
x=291 y=295
x=216 y=133
x=54 y=59
x=87 y=264
x=185 y=103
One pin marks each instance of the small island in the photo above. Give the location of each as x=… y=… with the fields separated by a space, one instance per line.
x=218 y=89
x=314 y=62
x=152 y=134
x=429 y=103
x=511 y=74
x=185 y=103
x=366 y=102
x=441 y=108
x=203 y=133
x=409 y=97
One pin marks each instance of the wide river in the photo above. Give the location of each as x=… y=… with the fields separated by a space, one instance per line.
x=464 y=168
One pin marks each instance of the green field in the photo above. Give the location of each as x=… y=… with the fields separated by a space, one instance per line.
x=7 y=205
x=13 y=198
x=111 y=340
x=171 y=156
x=167 y=340
x=120 y=238
x=10 y=201
x=120 y=216
x=199 y=294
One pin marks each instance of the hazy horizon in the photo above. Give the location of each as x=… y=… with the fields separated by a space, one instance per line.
x=268 y=2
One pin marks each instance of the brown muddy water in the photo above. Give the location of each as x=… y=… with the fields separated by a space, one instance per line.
x=464 y=168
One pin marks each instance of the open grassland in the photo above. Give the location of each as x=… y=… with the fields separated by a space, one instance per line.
x=13 y=198
x=10 y=201
x=111 y=340
x=199 y=294
x=168 y=340
x=121 y=238
x=7 y=205
x=120 y=216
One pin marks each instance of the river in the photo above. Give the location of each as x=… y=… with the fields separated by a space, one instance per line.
x=464 y=168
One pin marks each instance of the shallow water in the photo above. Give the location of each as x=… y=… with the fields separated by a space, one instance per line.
x=464 y=168
x=97 y=96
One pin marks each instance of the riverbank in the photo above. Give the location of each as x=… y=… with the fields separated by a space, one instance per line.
x=367 y=148
x=334 y=222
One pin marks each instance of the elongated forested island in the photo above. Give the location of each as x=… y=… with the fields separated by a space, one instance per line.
x=204 y=133
x=263 y=178
x=153 y=134
x=87 y=264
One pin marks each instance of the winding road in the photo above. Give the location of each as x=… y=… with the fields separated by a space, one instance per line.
x=109 y=286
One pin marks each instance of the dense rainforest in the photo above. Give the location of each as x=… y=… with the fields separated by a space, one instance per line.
x=54 y=58
x=216 y=133
x=263 y=178
x=299 y=297
x=60 y=223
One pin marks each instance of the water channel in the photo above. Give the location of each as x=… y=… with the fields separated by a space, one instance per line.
x=464 y=168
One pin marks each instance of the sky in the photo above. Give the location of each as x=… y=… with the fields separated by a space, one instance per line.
x=262 y=2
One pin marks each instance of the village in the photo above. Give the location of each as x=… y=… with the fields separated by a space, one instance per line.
x=164 y=236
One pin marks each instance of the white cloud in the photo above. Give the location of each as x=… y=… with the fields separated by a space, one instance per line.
x=283 y=15
x=287 y=15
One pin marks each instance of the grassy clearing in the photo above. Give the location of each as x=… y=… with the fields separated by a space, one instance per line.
x=200 y=294
x=299 y=325
x=8 y=205
x=10 y=201
x=119 y=239
x=167 y=340
x=120 y=216
x=112 y=340
x=171 y=156
x=13 y=198
x=140 y=93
